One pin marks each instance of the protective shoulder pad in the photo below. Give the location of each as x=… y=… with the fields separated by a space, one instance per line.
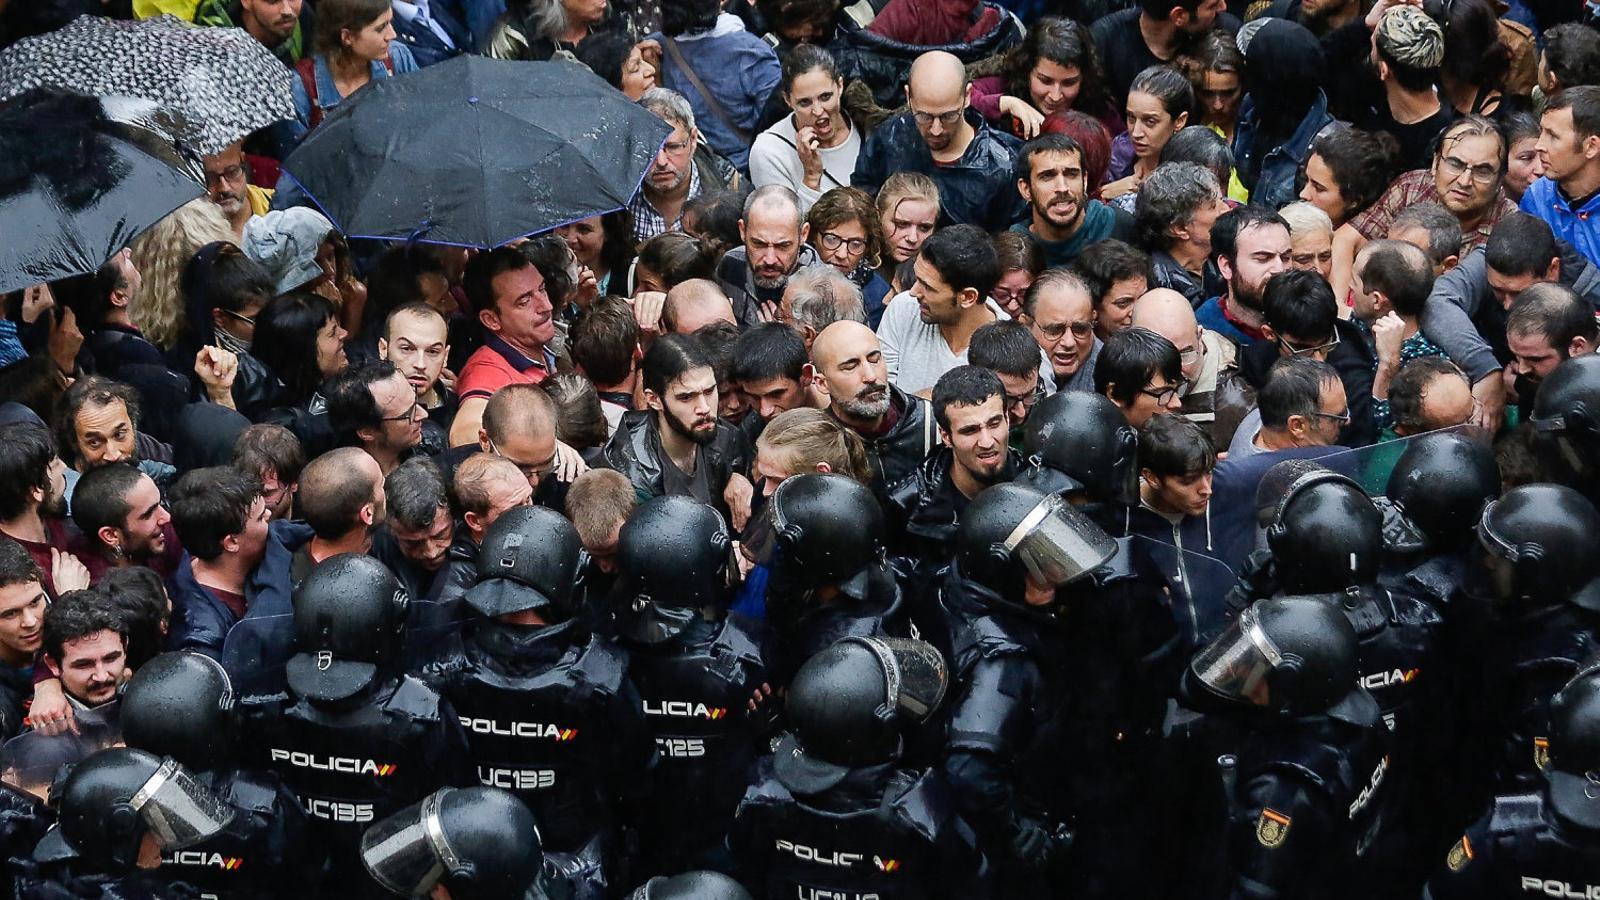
x=922 y=800
x=734 y=653
x=766 y=790
x=1516 y=814
x=414 y=700
x=992 y=639
x=601 y=667
x=254 y=791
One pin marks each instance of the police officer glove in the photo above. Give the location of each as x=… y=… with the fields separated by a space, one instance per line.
x=1258 y=578
x=1032 y=843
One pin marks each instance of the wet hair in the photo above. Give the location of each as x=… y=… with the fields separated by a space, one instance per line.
x=1401 y=272
x=1471 y=126
x=770 y=350
x=605 y=53
x=94 y=391
x=334 y=16
x=17 y=565
x=847 y=204
x=903 y=186
x=677 y=257
x=1362 y=162
x=76 y=615
x=1411 y=382
x=1006 y=347
x=100 y=499
x=210 y=504
x=1301 y=304
x=1584 y=101
x=1225 y=233
x=1130 y=359
x=964 y=258
x=820 y=295
x=1103 y=264
x=1172 y=195
x=25 y=457
x=1066 y=43
x=599 y=501
x=1552 y=310
x=351 y=406
x=265 y=446
x=139 y=595
x=1171 y=446
x=1168 y=86
x=604 y=339
x=810 y=436
x=1444 y=229
x=415 y=492
x=1048 y=142
x=551 y=256
x=1093 y=140
x=669 y=357
x=1473 y=51
x=967 y=385
x=484 y=268
x=580 y=421
x=1520 y=244
x=1200 y=145
x=333 y=489
x=286 y=341
x=1019 y=251
x=1572 y=54
x=1294 y=388
x=803 y=59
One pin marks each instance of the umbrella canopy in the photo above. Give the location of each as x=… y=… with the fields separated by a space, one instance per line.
x=223 y=82
x=80 y=177
x=477 y=152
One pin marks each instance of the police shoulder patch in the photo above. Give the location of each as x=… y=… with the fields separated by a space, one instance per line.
x=1272 y=829
x=1460 y=854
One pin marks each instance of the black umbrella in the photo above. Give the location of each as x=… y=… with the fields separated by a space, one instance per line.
x=477 y=152
x=80 y=177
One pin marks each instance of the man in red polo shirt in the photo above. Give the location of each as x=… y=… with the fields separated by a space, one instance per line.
x=518 y=322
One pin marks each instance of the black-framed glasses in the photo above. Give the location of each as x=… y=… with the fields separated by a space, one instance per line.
x=528 y=470
x=1028 y=400
x=831 y=241
x=408 y=415
x=1310 y=351
x=1058 y=330
x=947 y=119
x=1482 y=173
x=239 y=317
x=231 y=173
x=1168 y=395
x=1342 y=418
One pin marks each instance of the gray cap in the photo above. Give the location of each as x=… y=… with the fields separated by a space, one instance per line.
x=286 y=242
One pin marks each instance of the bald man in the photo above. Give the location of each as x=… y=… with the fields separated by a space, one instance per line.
x=848 y=369
x=691 y=305
x=940 y=137
x=342 y=499
x=774 y=236
x=1218 y=397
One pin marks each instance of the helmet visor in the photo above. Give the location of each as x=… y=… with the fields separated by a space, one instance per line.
x=1495 y=544
x=1238 y=663
x=915 y=671
x=407 y=852
x=759 y=541
x=1057 y=544
x=179 y=811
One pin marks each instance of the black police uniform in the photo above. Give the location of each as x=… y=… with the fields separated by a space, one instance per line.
x=799 y=628
x=1523 y=848
x=270 y=834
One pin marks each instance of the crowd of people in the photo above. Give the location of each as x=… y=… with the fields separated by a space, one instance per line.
x=1096 y=449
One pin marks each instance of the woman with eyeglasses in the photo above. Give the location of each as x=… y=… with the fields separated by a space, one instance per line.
x=1021 y=261
x=847 y=235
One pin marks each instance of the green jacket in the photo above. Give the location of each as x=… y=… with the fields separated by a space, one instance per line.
x=230 y=14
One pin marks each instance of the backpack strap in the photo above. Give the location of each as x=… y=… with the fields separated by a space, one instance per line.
x=677 y=59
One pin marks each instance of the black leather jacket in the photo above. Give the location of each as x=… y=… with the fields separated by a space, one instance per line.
x=635 y=451
x=897 y=454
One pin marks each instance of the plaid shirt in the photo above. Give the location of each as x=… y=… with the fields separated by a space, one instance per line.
x=647 y=223
x=1416 y=186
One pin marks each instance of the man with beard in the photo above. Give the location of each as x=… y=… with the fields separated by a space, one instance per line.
x=674 y=177
x=677 y=445
x=415 y=539
x=1059 y=310
x=119 y=514
x=97 y=422
x=280 y=25
x=1063 y=218
x=342 y=499
x=1548 y=325
x=85 y=645
x=1251 y=244
x=22 y=606
x=774 y=236
x=33 y=505
x=416 y=338
x=897 y=427
x=925 y=508
x=925 y=331
x=1319 y=16
x=229 y=187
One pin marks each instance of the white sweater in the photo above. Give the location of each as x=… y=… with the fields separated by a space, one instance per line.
x=774 y=160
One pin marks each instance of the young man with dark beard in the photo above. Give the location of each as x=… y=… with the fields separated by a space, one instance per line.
x=1063 y=218
x=1251 y=244
x=33 y=506
x=677 y=445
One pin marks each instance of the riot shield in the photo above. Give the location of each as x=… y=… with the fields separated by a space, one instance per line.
x=1196 y=585
x=1371 y=466
x=255 y=652
x=31 y=760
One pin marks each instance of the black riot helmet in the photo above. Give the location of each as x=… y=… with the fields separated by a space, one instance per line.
x=1440 y=484
x=181 y=705
x=1286 y=654
x=349 y=616
x=1079 y=441
x=691 y=886
x=1011 y=532
x=848 y=704
x=674 y=555
x=1540 y=546
x=114 y=798
x=1573 y=762
x=819 y=530
x=1566 y=423
x=1326 y=535
x=531 y=558
x=481 y=843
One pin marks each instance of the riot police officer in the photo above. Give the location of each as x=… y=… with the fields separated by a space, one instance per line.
x=1435 y=495
x=477 y=843
x=691 y=886
x=696 y=673
x=121 y=811
x=821 y=544
x=1288 y=759
x=1566 y=425
x=550 y=713
x=1013 y=683
x=1545 y=843
x=1080 y=445
x=181 y=705
x=1537 y=567
x=355 y=738
x=832 y=812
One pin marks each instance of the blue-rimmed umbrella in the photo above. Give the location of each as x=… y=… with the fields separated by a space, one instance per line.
x=80 y=177
x=477 y=152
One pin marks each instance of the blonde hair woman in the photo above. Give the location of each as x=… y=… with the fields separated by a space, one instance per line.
x=807 y=440
x=161 y=254
x=908 y=211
